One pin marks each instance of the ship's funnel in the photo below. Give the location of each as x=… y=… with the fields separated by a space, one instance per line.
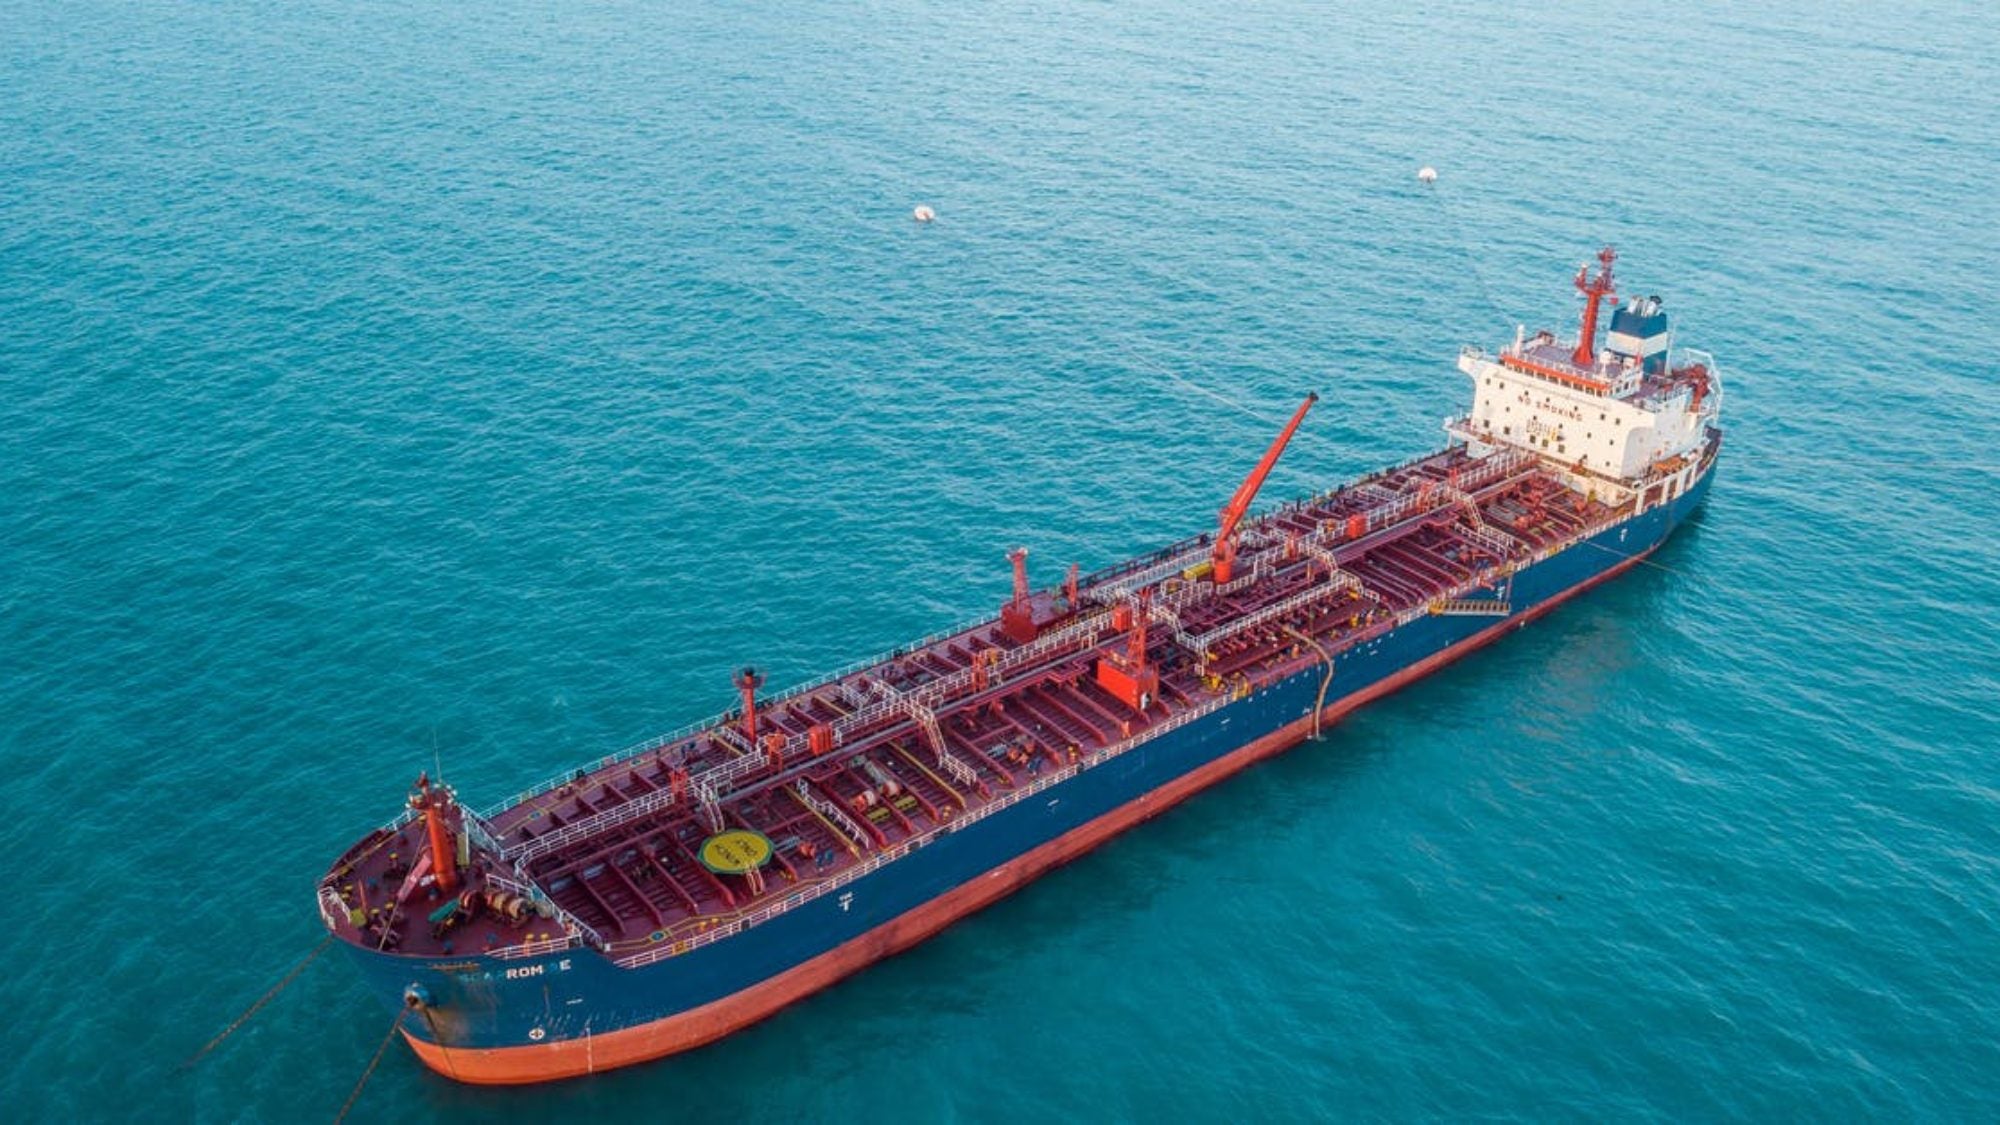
x=1639 y=331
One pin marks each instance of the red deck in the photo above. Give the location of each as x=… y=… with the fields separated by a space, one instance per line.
x=849 y=768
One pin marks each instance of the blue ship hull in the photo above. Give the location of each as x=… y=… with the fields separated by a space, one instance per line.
x=575 y=998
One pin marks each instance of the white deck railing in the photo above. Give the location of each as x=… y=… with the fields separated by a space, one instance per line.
x=576 y=931
x=589 y=826
x=719 y=928
x=717 y=779
x=711 y=929
x=1317 y=592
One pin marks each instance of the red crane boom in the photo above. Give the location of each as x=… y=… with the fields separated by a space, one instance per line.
x=1239 y=504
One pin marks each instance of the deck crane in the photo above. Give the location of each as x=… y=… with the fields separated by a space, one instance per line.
x=1239 y=504
x=1128 y=676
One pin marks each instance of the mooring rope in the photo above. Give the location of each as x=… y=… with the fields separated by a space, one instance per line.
x=1189 y=384
x=355 y=1095
x=1642 y=560
x=261 y=1001
x=431 y=1022
x=1456 y=233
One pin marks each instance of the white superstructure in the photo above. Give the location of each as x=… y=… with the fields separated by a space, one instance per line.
x=1629 y=420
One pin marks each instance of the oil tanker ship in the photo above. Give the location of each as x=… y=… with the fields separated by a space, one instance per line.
x=666 y=895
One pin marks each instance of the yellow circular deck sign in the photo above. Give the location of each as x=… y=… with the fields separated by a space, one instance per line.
x=735 y=851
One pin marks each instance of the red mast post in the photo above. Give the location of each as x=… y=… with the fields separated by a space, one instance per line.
x=1594 y=291
x=1018 y=616
x=1127 y=676
x=433 y=801
x=1019 y=557
x=1135 y=650
x=748 y=680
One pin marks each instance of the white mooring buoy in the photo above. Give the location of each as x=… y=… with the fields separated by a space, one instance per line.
x=923 y=213
x=1427 y=174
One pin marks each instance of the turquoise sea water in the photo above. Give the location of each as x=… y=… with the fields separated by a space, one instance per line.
x=381 y=379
